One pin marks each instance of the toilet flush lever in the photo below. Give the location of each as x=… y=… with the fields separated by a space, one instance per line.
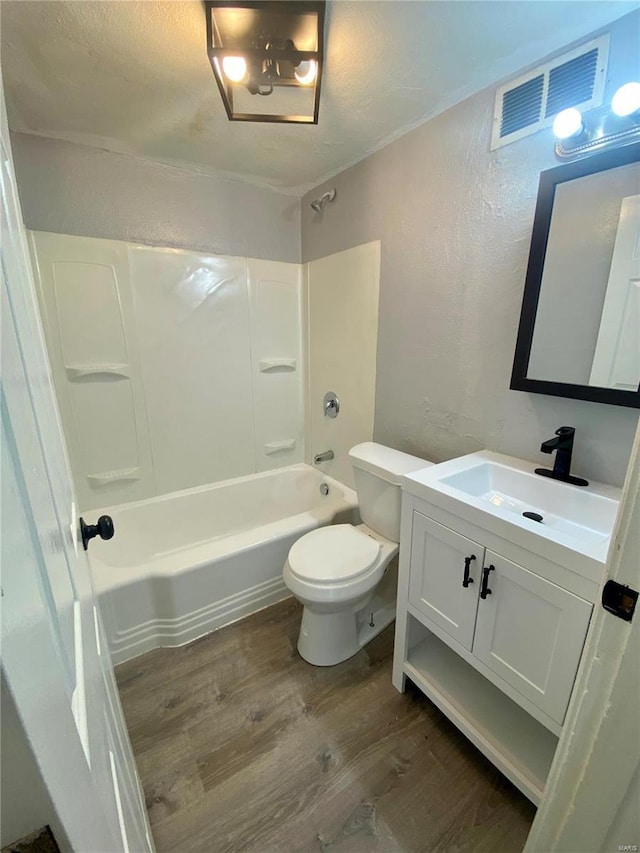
x=331 y=405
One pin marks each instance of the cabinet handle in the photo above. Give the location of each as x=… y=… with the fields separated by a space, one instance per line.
x=484 y=589
x=466 y=579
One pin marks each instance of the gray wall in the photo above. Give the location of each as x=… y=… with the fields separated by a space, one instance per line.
x=75 y=189
x=583 y=231
x=24 y=800
x=454 y=220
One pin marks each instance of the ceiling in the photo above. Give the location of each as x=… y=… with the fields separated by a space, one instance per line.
x=134 y=77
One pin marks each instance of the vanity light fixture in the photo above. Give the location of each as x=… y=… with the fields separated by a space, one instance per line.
x=626 y=100
x=599 y=129
x=266 y=57
x=568 y=124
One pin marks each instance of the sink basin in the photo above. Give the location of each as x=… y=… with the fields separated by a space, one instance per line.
x=570 y=510
x=502 y=487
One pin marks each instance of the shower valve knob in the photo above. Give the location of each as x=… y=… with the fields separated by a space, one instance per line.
x=104 y=529
x=331 y=405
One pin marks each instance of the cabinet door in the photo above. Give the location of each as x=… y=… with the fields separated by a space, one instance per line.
x=436 y=580
x=530 y=632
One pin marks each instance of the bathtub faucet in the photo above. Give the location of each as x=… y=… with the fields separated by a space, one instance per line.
x=323 y=457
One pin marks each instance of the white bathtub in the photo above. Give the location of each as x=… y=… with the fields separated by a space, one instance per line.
x=184 y=564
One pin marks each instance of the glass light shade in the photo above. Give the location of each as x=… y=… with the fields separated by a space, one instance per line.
x=626 y=100
x=568 y=123
x=306 y=72
x=235 y=68
x=267 y=58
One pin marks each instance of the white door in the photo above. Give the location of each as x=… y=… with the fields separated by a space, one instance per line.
x=616 y=362
x=445 y=577
x=592 y=797
x=54 y=656
x=531 y=632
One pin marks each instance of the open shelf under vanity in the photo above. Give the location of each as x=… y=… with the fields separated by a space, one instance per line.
x=520 y=746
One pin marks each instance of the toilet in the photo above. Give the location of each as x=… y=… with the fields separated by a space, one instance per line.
x=336 y=571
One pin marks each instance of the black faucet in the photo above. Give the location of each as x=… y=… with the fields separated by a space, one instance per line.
x=563 y=445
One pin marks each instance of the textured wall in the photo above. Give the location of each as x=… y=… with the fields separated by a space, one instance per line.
x=454 y=221
x=74 y=189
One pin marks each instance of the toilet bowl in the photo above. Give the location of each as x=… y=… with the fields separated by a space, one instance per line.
x=335 y=571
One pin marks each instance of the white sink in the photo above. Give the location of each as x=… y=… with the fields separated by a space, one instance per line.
x=502 y=487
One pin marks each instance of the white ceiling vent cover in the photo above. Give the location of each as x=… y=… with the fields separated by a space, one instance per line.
x=531 y=102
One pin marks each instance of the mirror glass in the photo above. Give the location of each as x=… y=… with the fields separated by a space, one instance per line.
x=580 y=326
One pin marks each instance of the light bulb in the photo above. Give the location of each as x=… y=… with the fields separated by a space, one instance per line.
x=626 y=100
x=235 y=68
x=568 y=123
x=306 y=72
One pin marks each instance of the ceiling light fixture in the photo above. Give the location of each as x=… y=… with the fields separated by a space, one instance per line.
x=234 y=68
x=601 y=128
x=268 y=48
x=306 y=72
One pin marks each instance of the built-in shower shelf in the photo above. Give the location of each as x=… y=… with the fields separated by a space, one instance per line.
x=278 y=446
x=105 y=477
x=77 y=372
x=277 y=364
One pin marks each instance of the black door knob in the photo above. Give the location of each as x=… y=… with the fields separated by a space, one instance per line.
x=104 y=529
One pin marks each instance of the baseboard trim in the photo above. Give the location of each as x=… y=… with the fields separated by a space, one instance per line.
x=178 y=631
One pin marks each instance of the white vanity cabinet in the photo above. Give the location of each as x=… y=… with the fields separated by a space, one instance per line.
x=530 y=632
x=527 y=630
x=492 y=634
x=499 y=572
x=437 y=587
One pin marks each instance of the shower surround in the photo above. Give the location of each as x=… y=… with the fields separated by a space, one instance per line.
x=173 y=368
x=190 y=388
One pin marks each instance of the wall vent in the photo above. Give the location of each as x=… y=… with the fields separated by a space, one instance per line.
x=531 y=101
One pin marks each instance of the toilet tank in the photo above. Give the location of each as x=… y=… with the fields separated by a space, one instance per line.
x=378 y=471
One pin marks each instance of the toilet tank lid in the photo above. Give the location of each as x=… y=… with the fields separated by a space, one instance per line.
x=384 y=461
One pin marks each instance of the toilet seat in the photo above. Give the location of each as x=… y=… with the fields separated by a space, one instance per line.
x=333 y=554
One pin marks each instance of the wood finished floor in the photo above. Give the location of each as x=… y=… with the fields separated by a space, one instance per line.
x=242 y=746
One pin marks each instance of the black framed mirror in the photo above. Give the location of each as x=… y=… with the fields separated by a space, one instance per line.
x=579 y=332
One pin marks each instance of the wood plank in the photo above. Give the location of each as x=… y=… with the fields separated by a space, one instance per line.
x=519 y=745
x=242 y=745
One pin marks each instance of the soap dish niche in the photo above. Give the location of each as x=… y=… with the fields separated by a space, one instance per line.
x=104 y=478
x=277 y=365
x=80 y=372
x=279 y=446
